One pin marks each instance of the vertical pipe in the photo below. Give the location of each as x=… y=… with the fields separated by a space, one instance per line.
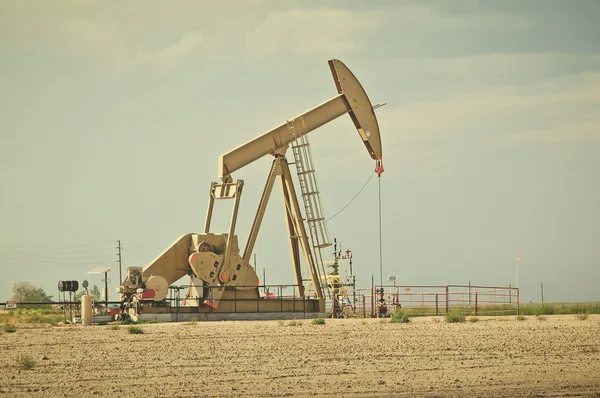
x=436 y=305
x=106 y=290
x=542 y=287
x=447 y=298
x=364 y=307
x=476 y=303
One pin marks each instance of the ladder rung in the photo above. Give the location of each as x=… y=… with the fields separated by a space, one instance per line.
x=312 y=220
x=305 y=172
x=310 y=193
x=298 y=145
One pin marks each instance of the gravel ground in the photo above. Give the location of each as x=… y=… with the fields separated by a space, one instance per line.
x=495 y=357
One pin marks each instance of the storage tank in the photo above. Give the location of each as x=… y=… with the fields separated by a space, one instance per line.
x=86 y=310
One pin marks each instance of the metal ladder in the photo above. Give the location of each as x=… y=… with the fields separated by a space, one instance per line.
x=313 y=207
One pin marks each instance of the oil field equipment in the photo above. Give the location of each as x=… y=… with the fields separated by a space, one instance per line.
x=227 y=281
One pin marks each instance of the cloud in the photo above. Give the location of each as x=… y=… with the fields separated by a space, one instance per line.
x=554 y=110
x=109 y=44
x=430 y=18
x=189 y=44
x=310 y=32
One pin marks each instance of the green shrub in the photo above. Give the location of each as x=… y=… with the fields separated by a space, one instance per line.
x=294 y=322
x=473 y=319
x=9 y=328
x=540 y=317
x=135 y=330
x=582 y=317
x=128 y=321
x=400 y=316
x=455 y=316
x=318 y=321
x=25 y=362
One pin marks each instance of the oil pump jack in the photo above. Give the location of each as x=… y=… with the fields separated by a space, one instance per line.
x=215 y=258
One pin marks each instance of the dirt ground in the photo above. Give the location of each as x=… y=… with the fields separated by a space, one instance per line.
x=495 y=357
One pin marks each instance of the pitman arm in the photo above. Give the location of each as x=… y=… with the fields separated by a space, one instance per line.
x=352 y=99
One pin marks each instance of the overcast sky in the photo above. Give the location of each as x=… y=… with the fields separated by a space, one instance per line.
x=113 y=115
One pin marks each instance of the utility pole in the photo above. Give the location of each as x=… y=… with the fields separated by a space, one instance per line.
x=119 y=261
x=518 y=259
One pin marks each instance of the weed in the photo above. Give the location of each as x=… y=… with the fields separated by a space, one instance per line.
x=363 y=322
x=400 y=316
x=318 y=321
x=9 y=328
x=128 y=321
x=294 y=322
x=135 y=330
x=540 y=317
x=521 y=318
x=473 y=319
x=455 y=317
x=281 y=322
x=114 y=327
x=582 y=317
x=25 y=362
x=436 y=320
x=192 y=322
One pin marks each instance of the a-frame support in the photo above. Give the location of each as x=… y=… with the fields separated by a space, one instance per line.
x=298 y=237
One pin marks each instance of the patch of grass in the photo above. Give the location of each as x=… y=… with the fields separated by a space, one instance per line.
x=25 y=362
x=294 y=322
x=135 y=330
x=9 y=328
x=560 y=309
x=128 y=321
x=541 y=317
x=363 y=322
x=582 y=317
x=455 y=316
x=281 y=322
x=473 y=319
x=400 y=316
x=318 y=321
x=521 y=318
x=43 y=319
x=192 y=322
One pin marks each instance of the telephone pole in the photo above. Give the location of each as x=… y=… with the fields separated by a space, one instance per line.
x=119 y=261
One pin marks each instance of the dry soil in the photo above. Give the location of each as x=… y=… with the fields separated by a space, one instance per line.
x=495 y=357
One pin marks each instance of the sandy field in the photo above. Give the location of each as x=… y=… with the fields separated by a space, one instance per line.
x=495 y=357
